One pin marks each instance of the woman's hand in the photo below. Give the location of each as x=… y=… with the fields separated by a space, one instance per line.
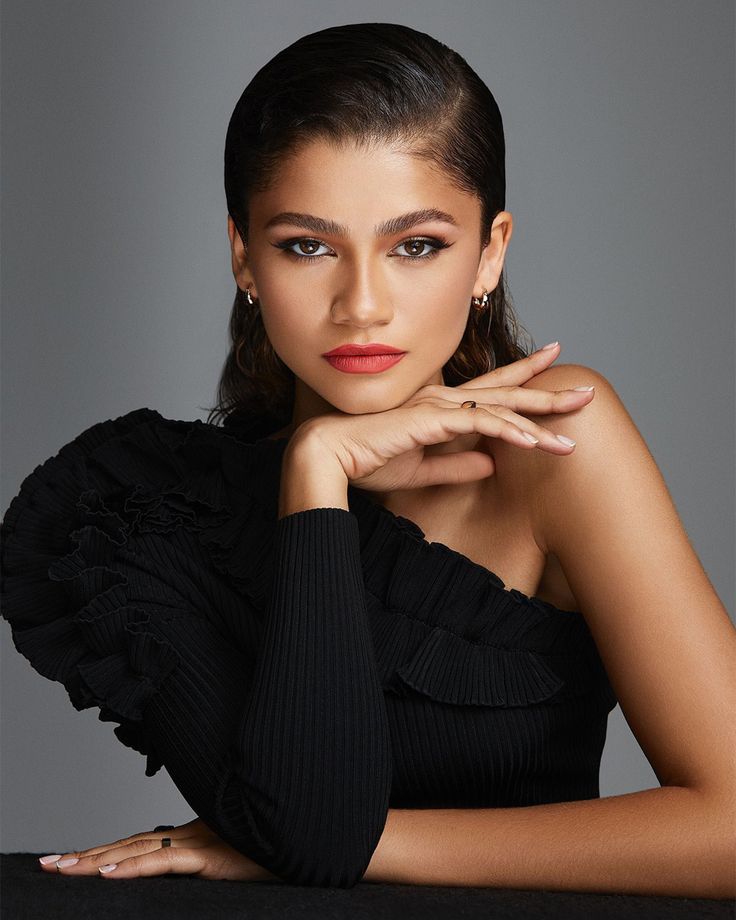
x=385 y=451
x=195 y=850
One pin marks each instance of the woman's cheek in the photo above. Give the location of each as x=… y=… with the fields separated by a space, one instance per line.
x=291 y=334
x=444 y=325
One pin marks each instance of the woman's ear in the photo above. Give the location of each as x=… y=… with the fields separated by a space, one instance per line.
x=239 y=258
x=494 y=252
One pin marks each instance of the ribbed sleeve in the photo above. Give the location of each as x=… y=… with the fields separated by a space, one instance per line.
x=312 y=758
x=288 y=759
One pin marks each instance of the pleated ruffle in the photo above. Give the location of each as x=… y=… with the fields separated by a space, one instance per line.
x=448 y=628
x=69 y=540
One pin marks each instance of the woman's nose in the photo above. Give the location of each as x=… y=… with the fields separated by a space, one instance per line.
x=362 y=299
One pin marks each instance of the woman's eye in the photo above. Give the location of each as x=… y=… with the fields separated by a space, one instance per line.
x=307 y=248
x=417 y=245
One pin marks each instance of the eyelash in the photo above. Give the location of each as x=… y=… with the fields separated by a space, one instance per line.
x=438 y=243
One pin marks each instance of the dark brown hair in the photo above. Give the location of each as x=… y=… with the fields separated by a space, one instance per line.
x=366 y=82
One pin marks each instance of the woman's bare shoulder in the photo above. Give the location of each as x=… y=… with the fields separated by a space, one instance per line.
x=566 y=376
x=537 y=475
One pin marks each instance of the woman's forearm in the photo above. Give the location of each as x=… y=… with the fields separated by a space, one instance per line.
x=315 y=746
x=311 y=478
x=666 y=841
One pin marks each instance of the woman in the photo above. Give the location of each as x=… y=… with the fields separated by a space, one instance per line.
x=373 y=625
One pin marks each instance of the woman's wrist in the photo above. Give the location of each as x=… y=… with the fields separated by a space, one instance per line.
x=311 y=477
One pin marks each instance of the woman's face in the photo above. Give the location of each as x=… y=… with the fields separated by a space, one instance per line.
x=345 y=272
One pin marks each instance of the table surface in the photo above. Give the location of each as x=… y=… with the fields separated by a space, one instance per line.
x=28 y=892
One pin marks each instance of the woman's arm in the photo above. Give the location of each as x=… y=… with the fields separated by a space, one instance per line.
x=667 y=841
x=669 y=649
x=279 y=742
x=313 y=750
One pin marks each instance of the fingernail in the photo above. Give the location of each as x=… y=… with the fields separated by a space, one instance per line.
x=47 y=859
x=567 y=441
x=108 y=868
x=530 y=437
x=72 y=861
x=587 y=389
x=551 y=345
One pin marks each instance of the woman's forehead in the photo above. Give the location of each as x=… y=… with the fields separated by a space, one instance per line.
x=341 y=182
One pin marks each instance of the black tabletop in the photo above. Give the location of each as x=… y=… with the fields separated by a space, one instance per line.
x=28 y=892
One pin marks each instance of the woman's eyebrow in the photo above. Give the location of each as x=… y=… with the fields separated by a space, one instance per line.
x=387 y=228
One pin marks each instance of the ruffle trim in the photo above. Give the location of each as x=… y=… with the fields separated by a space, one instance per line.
x=65 y=593
x=66 y=540
x=449 y=629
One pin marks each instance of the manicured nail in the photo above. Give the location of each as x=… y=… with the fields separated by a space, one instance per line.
x=108 y=868
x=530 y=437
x=47 y=859
x=587 y=389
x=72 y=861
x=551 y=345
x=567 y=441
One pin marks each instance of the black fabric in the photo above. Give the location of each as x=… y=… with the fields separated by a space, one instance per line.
x=296 y=676
x=29 y=892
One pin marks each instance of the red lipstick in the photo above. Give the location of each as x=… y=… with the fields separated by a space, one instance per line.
x=364 y=359
x=374 y=348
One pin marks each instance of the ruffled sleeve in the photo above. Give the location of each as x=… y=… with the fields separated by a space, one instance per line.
x=65 y=598
x=115 y=583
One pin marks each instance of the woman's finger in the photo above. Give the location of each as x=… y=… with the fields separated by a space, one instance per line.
x=191 y=848
x=105 y=847
x=163 y=861
x=49 y=863
x=193 y=834
x=517 y=372
x=87 y=862
x=496 y=421
x=463 y=466
x=547 y=440
x=535 y=402
x=194 y=828
x=516 y=427
x=214 y=861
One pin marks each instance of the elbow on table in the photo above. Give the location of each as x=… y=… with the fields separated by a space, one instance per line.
x=323 y=869
x=345 y=873
x=333 y=861
x=328 y=841
x=316 y=856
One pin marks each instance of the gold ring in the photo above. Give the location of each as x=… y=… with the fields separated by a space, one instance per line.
x=469 y=404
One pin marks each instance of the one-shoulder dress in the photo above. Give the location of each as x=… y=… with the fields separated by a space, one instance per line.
x=297 y=677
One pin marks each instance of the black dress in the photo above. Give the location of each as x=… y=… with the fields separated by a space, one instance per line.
x=296 y=677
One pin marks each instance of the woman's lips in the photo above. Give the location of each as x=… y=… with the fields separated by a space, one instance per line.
x=363 y=364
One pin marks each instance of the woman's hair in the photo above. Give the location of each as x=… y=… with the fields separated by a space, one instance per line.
x=364 y=82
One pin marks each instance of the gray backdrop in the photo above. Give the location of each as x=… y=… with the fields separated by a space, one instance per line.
x=117 y=286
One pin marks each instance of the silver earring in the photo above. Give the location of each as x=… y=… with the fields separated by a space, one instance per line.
x=481 y=302
x=249 y=297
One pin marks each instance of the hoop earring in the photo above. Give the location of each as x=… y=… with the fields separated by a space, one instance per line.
x=480 y=303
